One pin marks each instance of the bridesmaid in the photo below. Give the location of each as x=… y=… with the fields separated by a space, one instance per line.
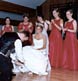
x=26 y=26
x=55 y=40
x=7 y=27
x=70 y=56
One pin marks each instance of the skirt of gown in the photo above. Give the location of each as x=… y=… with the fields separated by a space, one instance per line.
x=55 y=48
x=35 y=60
x=70 y=55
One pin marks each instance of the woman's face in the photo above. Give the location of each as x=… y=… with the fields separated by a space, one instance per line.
x=55 y=14
x=7 y=21
x=38 y=29
x=39 y=18
x=26 y=19
x=68 y=15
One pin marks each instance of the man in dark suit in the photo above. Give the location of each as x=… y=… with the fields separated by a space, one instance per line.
x=8 y=43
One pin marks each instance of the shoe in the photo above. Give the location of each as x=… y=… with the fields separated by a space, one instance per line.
x=45 y=73
x=13 y=74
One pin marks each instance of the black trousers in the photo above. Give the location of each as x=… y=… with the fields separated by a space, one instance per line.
x=5 y=68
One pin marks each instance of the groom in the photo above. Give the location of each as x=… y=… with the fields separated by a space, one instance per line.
x=10 y=42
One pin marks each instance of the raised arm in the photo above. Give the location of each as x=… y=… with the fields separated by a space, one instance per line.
x=58 y=27
x=12 y=28
x=30 y=27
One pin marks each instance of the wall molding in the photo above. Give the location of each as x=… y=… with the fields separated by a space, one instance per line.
x=14 y=8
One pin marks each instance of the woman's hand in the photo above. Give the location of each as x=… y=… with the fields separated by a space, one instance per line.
x=19 y=63
x=64 y=29
x=58 y=27
x=48 y=22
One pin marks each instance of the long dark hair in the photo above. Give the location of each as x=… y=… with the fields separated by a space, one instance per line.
x=70 y=10
x=7 y=18
x=57 y=10
x=26 y=15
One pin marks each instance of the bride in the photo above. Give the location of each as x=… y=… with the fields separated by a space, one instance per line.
x=35 y=56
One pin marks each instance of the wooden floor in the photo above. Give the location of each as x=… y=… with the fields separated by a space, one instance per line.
x=54 y=75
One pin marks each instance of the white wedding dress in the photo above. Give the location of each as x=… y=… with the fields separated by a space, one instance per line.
x=44 y=32
x=36 y=61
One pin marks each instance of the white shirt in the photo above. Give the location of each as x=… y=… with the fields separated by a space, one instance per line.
x=19 y=50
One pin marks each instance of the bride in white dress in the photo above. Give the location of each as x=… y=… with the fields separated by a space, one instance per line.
x=35 y=56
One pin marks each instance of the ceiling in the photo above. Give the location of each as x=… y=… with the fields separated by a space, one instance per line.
x=27 y=3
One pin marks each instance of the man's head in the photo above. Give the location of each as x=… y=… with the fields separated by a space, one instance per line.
x=24 y=35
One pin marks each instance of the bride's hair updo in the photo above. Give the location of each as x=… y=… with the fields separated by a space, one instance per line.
x=41 y=26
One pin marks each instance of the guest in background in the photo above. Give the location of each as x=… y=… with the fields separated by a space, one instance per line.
x=7 y=27
x=70 y=55
x=26 y=26
x=55 y=40
x=45 y=23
